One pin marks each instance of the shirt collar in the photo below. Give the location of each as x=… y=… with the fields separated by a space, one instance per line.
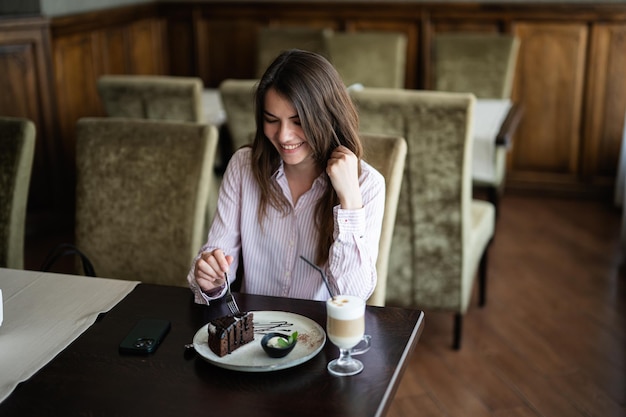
x=321 y=180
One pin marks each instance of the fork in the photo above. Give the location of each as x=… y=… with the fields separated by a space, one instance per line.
x=230 y=300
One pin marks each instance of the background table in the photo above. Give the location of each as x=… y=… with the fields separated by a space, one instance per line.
x=90 y=377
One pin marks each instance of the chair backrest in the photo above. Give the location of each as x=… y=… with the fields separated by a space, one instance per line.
x=17 y=147
x=387 y=154
x=433 y=216
x=373 y=59
x=158 y=97
x=271 y=41
x=141 y=195
x=238 y=101
x=482 y=64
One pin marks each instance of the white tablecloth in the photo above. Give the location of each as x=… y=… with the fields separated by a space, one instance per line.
x=43 y=314
x=212 y=106
x=488 y=118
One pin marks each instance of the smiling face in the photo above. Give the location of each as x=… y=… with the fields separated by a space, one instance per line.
x=281 y=125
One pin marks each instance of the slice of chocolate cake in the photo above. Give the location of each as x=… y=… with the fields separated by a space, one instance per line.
x=228 y=333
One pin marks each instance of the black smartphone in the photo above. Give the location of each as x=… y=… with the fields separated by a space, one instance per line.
x=145 y=337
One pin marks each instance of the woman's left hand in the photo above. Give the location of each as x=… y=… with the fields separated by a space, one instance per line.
x=343 y=171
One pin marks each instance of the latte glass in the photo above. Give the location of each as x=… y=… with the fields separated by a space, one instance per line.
x=345 y=327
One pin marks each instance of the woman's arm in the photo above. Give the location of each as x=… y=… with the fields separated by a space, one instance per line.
x=221 y=251
x=352 y=257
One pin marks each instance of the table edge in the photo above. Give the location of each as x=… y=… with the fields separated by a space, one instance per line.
x=399 y=371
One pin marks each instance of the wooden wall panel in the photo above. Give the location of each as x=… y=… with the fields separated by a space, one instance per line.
x=549 y=84
x=25 y=86
x=226 y=48
x=77 y=65
x=306 y=22
x=112 y=41
x=18 y=86
x=605 y=102
x=130 y=41
x=180 y=42
x=146 y=47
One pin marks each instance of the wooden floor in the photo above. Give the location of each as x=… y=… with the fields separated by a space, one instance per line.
x=551 y=341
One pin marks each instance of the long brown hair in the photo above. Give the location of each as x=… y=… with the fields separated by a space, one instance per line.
x=328 y=118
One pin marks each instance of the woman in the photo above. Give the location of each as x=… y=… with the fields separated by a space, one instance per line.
x=301 y=189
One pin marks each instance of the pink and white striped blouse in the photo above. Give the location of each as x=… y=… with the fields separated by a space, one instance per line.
x=271 y=251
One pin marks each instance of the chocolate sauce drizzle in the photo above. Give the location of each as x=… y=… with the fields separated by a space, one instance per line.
x=272 y=326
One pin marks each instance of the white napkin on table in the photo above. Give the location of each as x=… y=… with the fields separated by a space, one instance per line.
x=44 y=313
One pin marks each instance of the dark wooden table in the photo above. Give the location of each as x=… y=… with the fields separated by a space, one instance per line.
x=90 y=377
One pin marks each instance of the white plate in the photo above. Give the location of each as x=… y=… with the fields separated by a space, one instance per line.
x=252 y=358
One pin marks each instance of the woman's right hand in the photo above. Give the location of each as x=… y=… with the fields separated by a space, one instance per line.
x=209 y=269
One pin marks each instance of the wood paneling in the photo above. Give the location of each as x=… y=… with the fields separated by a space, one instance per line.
x=25 y=85
x=77 y=64
x=549 y=84
x=126 y=41
x=113 y=52
x=17 y=63
x=605 y=104
x=180 y=41
x=146 y=47
x=226 y=49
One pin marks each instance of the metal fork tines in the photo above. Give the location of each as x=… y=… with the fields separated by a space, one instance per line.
x=230 y=300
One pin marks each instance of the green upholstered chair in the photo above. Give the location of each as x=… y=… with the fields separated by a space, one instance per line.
x=141 y=195
x=371 y=59
x=158 y=97
x=442 y=234
x=271 y=41
x=238 y=101
x=17 y=147
x=387 y=154
x=482 y=64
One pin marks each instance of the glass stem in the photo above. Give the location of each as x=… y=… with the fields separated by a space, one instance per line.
x=344 y=356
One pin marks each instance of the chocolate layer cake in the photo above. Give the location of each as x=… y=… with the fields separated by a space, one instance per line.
x=228 y=333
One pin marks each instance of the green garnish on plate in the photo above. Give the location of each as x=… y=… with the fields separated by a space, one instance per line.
x=286 y=342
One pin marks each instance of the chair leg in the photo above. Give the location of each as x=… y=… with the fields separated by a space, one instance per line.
x=493 y=195
x=458 y=328
x=482 y=278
